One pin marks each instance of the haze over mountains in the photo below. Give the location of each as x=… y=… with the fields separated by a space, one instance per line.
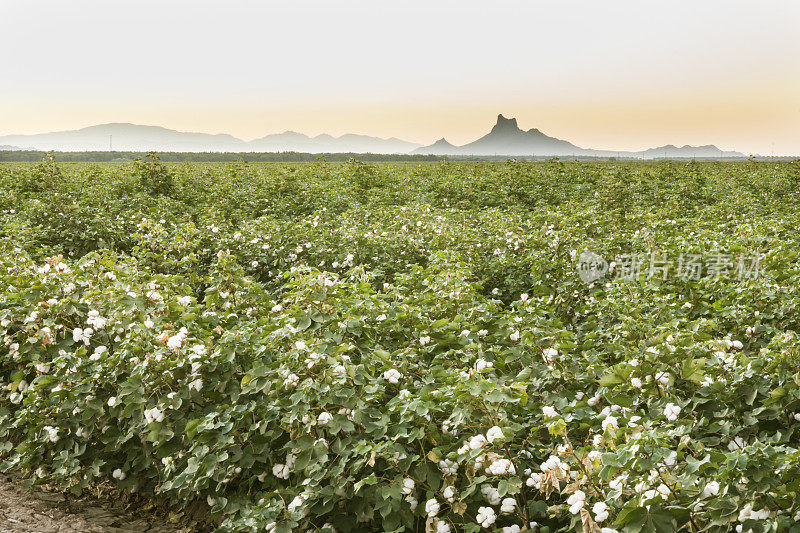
x=505 y=139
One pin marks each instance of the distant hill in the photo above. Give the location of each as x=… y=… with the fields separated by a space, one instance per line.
x=440 y=147
x=507 y=139
x=291 y=141
x=127 y=137
x=708 y=150
x=134 y=137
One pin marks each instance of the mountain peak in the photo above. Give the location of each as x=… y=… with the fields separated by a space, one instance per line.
x=504 y=124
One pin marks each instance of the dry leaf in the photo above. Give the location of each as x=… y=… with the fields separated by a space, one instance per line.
x=430 y=524
x=549 y=483
x=469 y=470
x=589 y=525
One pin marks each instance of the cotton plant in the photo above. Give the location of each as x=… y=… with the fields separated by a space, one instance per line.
x=418 y=354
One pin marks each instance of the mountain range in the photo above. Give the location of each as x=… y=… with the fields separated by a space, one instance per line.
x=504 y=139
x=507 y=139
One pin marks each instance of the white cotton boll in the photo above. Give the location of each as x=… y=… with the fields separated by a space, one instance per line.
x=448 y=467
x=550 y=354
x=292 y=380
x=610 y=423
x=43 y=368
x=153 y=415
x=424 y=340
x=95 y=320
x=408 y=486
x=508 y=505
x=534 y=480
x=618 y=482
x=594 y=400
x=324 y=418
x=98 y=353
x=486 y=517
x=797 y=416
x=671 y=411
x=392 y=375
x=514 y=336
x=281 y=471
x=82 y=335
x=608 y=530
x=412 y=501
x=449 y=493
x=176 y=341
x=501 y=467
x=52 y=433
x=442 y=527
x=118 y=474
x=432 y=507
x=549 y=411
x=112 y=401
x=576 y=501
x=494 y=433
x=478 y=441
x=491 y=495
x=300 y=345
x=711 y=489
x=196 y=385
x=600 y=510
x=482 y=364
x=184 y=300
x=636 y=382
x=663 y=378
x=296 y=503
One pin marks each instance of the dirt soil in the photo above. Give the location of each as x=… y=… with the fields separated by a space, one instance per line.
x=46 y=511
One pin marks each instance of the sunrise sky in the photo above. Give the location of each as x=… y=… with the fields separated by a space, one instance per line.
x=624 y=75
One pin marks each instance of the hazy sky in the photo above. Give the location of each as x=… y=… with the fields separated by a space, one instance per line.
x=615 y=75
